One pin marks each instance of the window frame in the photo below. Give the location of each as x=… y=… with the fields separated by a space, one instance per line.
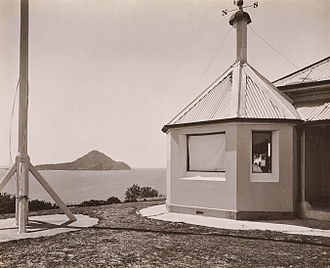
x=273 y=177
x=271 y=150
x=188 y=153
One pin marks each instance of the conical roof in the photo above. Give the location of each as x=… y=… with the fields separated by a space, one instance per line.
x=240 y=93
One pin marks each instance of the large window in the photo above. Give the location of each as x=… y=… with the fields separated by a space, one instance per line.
x=261 y=151
x=206 y=152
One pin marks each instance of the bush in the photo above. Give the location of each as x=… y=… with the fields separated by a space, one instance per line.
x=36 y=204
x=135 y=191
x=7 y=204
x=113 y=200
x=93 y=203
x=132 y=193
x=148 y=192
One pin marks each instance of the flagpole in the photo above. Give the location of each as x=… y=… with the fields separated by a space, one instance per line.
x=22 y=165
x=22 y=159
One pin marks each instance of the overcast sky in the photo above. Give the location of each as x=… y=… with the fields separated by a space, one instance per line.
x=108 y=74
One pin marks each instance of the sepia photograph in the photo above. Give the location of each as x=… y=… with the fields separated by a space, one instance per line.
x=165 y=133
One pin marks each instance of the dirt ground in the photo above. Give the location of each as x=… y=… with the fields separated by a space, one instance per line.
x=123 y=238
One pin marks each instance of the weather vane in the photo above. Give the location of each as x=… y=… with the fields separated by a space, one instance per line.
x=239 y=4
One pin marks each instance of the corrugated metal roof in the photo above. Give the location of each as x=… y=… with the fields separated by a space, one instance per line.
x=264 y=100
x=319 y=71
x=314 y=111
x=241 y=92
x=256 y=98
x=214 y=104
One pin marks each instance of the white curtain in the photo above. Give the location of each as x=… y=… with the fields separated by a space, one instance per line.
x=206 y=152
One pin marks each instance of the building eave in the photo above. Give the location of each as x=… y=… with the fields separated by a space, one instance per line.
x=306 y=93
x=306 y=85
x=300 y=70
x=316 y=122
x=167 y=128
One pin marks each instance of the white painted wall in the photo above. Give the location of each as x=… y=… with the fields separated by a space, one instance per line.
x=236 y=189
x=270 y=192
x=201 y=189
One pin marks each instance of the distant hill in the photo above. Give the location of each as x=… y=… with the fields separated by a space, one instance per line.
x=94 y=160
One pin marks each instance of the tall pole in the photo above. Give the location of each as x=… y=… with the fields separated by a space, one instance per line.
x=240 y=20
x=23 y=165
x=22 y=159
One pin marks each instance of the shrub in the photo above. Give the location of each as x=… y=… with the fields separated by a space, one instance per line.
x=135 y=191
x=113 y=200
x=132 y=193
x=148 y=192
x=93 y=203
x=7 y=204
x=36 y=204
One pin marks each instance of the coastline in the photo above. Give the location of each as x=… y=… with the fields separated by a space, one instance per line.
x=76 y=186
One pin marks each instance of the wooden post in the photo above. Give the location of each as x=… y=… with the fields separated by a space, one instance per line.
x=10 y=173
x=23 y=165
x=303 y=166
x=22 y=159
x=17 y=194
x=23 y=191
x=7 y=177
x=52 y=193
x=24 y=73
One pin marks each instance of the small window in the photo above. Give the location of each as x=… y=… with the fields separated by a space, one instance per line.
x=206 y=152
x=261 y=151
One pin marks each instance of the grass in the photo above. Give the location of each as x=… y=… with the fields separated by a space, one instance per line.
x=123 y=238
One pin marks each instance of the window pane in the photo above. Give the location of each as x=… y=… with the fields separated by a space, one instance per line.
x=206 y=152
x=261 y=151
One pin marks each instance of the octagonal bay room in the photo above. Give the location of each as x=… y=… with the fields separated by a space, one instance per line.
x=231 y=151
x=233 y=165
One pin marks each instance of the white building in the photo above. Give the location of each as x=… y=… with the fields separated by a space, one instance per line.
x=235 y=151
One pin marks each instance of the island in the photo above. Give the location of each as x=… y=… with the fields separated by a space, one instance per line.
x=94 y=160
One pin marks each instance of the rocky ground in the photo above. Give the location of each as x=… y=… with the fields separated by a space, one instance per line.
x=123 y=238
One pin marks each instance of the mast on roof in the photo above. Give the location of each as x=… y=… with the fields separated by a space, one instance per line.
x=240 y=19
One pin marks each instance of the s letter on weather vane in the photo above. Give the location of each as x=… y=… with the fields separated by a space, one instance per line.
x=239 y=4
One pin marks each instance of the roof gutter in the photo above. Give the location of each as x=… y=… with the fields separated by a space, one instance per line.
x=166 y=128
x=317 y=122
x=307 y=85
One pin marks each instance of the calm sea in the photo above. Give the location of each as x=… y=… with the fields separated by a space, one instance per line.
x=78 y=186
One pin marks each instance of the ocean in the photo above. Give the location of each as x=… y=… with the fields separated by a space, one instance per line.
x=75 y=186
